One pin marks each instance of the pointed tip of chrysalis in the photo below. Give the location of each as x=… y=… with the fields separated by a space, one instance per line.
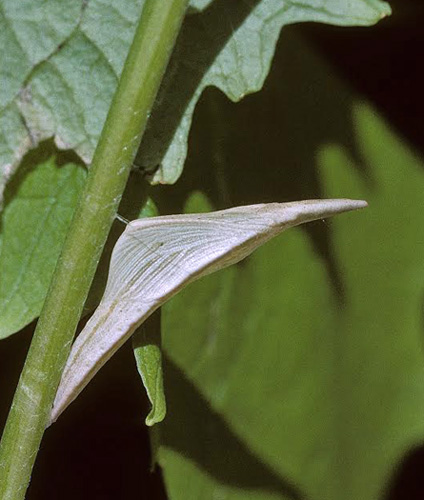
x=309 y=210
x=331 y=206
x=337 y=206
x=351 y=204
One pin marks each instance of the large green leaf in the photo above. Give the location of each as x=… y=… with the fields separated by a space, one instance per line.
x=300 y=373
x=39 y=203
x=63 y=89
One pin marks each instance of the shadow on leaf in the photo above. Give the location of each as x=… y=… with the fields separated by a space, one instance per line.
x=407 y=481
x=201 y=39
x=195 y=430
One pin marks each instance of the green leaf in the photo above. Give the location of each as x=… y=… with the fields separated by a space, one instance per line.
x=65 y=89
x=64 y=85
x=40 y=202
x=230 y=46
x=148 y=355
x=26 y=42
x=300 y=373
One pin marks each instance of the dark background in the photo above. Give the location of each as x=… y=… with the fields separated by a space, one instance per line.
x=99 y=449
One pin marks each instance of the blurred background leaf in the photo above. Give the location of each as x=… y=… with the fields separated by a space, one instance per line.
x=299 y=373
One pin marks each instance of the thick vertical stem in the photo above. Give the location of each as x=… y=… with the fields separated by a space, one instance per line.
x=143 y=70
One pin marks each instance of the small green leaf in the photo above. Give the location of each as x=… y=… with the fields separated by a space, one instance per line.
x=148 y=356
x=149 y=209
x=39 y=205
x=158 y=256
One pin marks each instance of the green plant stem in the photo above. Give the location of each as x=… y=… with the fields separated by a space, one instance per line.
x=143 y=70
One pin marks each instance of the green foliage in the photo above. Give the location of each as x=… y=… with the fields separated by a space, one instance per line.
x=299 y=373
x=230 y=46
x=39 y=204
x=97 y=206
x=25 y=45
x=148 y=356
x=65 y=88
x=64 y=82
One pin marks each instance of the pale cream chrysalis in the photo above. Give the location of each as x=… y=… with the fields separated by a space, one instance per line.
x=156 y=257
